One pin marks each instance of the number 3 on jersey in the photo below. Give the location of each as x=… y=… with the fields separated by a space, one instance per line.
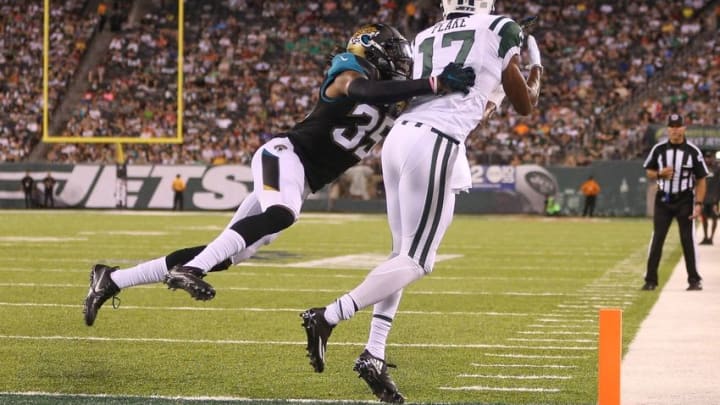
x=361 y=138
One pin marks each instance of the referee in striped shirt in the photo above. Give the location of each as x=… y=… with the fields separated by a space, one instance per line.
x=680 y=171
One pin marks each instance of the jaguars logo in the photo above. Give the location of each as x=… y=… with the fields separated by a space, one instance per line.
x=363 y=38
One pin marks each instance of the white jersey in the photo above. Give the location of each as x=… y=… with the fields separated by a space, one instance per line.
x=484 y=42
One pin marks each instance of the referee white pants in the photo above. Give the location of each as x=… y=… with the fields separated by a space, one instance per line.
x=417 y=165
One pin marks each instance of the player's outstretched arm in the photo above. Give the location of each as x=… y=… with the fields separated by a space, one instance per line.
x=454 y=78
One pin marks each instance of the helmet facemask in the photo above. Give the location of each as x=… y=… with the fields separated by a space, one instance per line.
x=467 y=7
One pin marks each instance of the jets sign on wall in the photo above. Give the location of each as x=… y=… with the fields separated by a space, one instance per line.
x=148 y=187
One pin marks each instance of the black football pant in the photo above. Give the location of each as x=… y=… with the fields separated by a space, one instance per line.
x=178 y=201
x=665 y=212
x=589 y=208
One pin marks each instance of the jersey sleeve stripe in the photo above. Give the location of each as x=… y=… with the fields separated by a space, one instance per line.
x=495 y=23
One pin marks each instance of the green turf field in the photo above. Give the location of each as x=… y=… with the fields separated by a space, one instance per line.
x=509 y=316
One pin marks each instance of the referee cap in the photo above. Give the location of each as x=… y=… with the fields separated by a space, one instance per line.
x=675 y=120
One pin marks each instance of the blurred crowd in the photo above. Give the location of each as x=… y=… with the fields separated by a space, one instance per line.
x=21 y=67
x=604 y=53
x=252 y=68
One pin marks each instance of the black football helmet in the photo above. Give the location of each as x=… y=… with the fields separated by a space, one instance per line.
x=385 y=48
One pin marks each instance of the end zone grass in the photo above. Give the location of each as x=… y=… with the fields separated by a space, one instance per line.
x=508 y=317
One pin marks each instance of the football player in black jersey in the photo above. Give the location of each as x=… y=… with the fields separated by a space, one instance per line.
x=350 y=117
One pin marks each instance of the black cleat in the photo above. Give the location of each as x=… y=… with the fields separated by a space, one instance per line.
x=695 y=286
x=649 y=287
x=374 y=372
x=318 y=331
x=189 y=279
x=101 y=289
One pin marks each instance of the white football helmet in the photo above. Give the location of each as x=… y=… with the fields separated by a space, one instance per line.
x=467 y=6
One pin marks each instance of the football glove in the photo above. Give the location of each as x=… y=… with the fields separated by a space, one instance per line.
x=533 y=52
x=527 y=22
x=455 y=78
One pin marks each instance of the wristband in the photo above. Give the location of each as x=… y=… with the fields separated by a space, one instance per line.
x=433 y=84
x=698 y=203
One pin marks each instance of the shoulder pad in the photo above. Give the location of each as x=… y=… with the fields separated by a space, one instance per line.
x=349 y=61
x=509 y=32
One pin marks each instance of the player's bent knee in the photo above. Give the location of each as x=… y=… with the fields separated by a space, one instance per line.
x=182 y=256
x=273 y=220
x=280 y=217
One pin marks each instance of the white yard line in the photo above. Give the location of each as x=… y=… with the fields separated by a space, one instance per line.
x=532 y=356
x=501 y=389
x=517 y=377
x=246 y=309
x=199 y=399
x=499 y=365
x=305 y=290
x=286 y=343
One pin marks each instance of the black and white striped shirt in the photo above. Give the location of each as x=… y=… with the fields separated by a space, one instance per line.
x=686 y=160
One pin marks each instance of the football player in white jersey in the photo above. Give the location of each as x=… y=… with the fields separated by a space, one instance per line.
x=424 y=166
x=352 y=114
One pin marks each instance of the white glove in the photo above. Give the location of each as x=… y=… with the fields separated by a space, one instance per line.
x=533 y=52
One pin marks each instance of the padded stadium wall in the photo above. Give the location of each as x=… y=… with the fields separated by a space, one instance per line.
x=496 y=189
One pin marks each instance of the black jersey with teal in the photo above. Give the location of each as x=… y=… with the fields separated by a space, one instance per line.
x=338 y=132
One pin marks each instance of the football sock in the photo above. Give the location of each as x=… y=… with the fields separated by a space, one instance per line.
x=384 y=280
x=342 y=309
x=379 y=330
x=250 y=251
x=383 y=314
x=152 y=271
x=223 y=247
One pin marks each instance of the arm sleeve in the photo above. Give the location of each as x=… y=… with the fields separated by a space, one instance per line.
x=387 y=91
x=699 y=166
x=651 y=162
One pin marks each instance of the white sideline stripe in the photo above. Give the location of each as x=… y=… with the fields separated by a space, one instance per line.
x=502 y=389
x=594 y=306
x=243 y=272
x=563 y=320
x=532 y=356
x=573 y=317
x=38 y=239
x=560 y=332
x=518 y=377
x=246 y=309
x=552 y=325
x=183 y=398
x=522 y=365
x=360 y=261
x=125 y=233
x=589 y=313
x=552 y=340
x=287 y=343
x=302 y=290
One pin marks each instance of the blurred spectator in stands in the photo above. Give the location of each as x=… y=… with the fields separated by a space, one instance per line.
x=102 y=14
x=590 y=189
x=712 y=198
x=178 y=187
x=49 y=184
x=359 y=178
x=121 y=184
x=27 y=185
